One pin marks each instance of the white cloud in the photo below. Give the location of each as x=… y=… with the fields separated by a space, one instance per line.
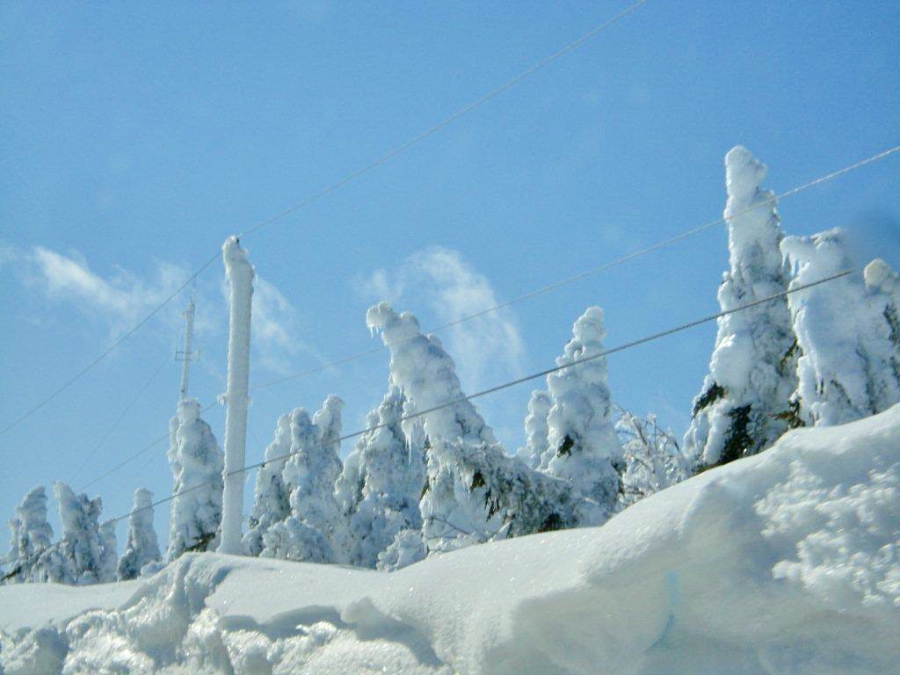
x=275 y=327
x=485 y=348
x=122 y=299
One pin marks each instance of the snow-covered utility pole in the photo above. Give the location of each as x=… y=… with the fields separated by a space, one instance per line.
x=240 y=278
x=186 y=356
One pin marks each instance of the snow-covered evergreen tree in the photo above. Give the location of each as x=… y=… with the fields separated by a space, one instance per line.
x=142 y=546
x=474 y=491
x=272 y=501
x=583 y=448
x=196 y=460
x=848 y=331
x=537 y=432
x=31 y=534
x=653 y=460
x=383 y=482
x=744 y=405
x=109 y=557
x=406 y=549
x=315 y=530
x=78 y=557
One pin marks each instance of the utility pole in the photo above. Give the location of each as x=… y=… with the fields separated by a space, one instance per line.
x=187 y=355
x=240 y=278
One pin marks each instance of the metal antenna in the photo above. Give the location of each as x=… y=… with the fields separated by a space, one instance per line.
x=186 y=355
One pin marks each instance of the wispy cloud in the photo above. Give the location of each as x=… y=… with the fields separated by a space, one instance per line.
x=123 y=298
x=484 y=348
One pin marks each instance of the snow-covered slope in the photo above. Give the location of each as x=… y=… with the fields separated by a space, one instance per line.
x=785 y=562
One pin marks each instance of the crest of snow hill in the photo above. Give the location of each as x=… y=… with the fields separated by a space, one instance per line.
x=429 y=475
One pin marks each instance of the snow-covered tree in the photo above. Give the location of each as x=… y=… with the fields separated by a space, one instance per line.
x=383 y=480
x=272 y=501
x=583 y=448
x=109 y=556
x=406 y=549
x=848 y=331
x=31 y=534
x=537 y=432
x=474 y=491
x=142 y=546
x=653 y=460
x=78 y=557
x=744 y=405
x=197 y=461
x=315 y=530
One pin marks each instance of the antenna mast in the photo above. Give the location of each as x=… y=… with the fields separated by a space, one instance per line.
x=186 y=355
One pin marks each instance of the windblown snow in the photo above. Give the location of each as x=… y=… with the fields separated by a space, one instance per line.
x=784 y=562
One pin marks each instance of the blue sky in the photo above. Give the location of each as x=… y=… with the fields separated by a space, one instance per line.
x=135 y=138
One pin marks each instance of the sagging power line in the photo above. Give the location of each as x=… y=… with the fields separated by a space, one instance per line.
x=491 y=390
x=596 y=270
x=349 y=178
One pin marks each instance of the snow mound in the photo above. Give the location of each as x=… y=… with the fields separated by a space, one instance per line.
x=784 y=562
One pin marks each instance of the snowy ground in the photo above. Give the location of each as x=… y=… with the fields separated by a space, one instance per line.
x=786 y=562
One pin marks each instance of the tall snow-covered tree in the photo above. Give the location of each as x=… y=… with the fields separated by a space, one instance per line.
x=78 y=557
x=272 y=498
x=142 y=546
x=744 y=405
x=583 y=448
x=474 y=491
x=537 y=432
x=653 y=459
x=31 y=534
x=315 y=530
x=196 y=460
x=109 y=556
x=848 y=331
x=383 y=480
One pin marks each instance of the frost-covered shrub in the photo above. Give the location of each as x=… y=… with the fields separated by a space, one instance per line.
x=315 y=530
x=474 y=491
x=848 y=331
x=583 y=448
x=142 y=546
x=382 y=482
x=110 y=555
x=197 y=462
x=744 y=405
x=653 y=460
x=30 y=535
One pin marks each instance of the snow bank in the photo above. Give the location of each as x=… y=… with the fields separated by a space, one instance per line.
x=784 y=562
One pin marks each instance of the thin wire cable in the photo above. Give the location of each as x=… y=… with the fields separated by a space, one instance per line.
x=121 y=416
x=596 y=270
x=486 y=392
x=335 y=186
x=84 y=371
x=135 y=456
x=571 y=47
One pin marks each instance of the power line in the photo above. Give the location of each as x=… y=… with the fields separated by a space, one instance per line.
x=596 y=270
x=571 y=47
x=135 y=456
x=28 y=413
x=121 y=416
x=486 y=392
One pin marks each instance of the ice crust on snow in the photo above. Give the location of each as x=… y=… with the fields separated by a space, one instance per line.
x=784 y=562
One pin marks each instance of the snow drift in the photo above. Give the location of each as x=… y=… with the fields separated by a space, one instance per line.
x=784 y=562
